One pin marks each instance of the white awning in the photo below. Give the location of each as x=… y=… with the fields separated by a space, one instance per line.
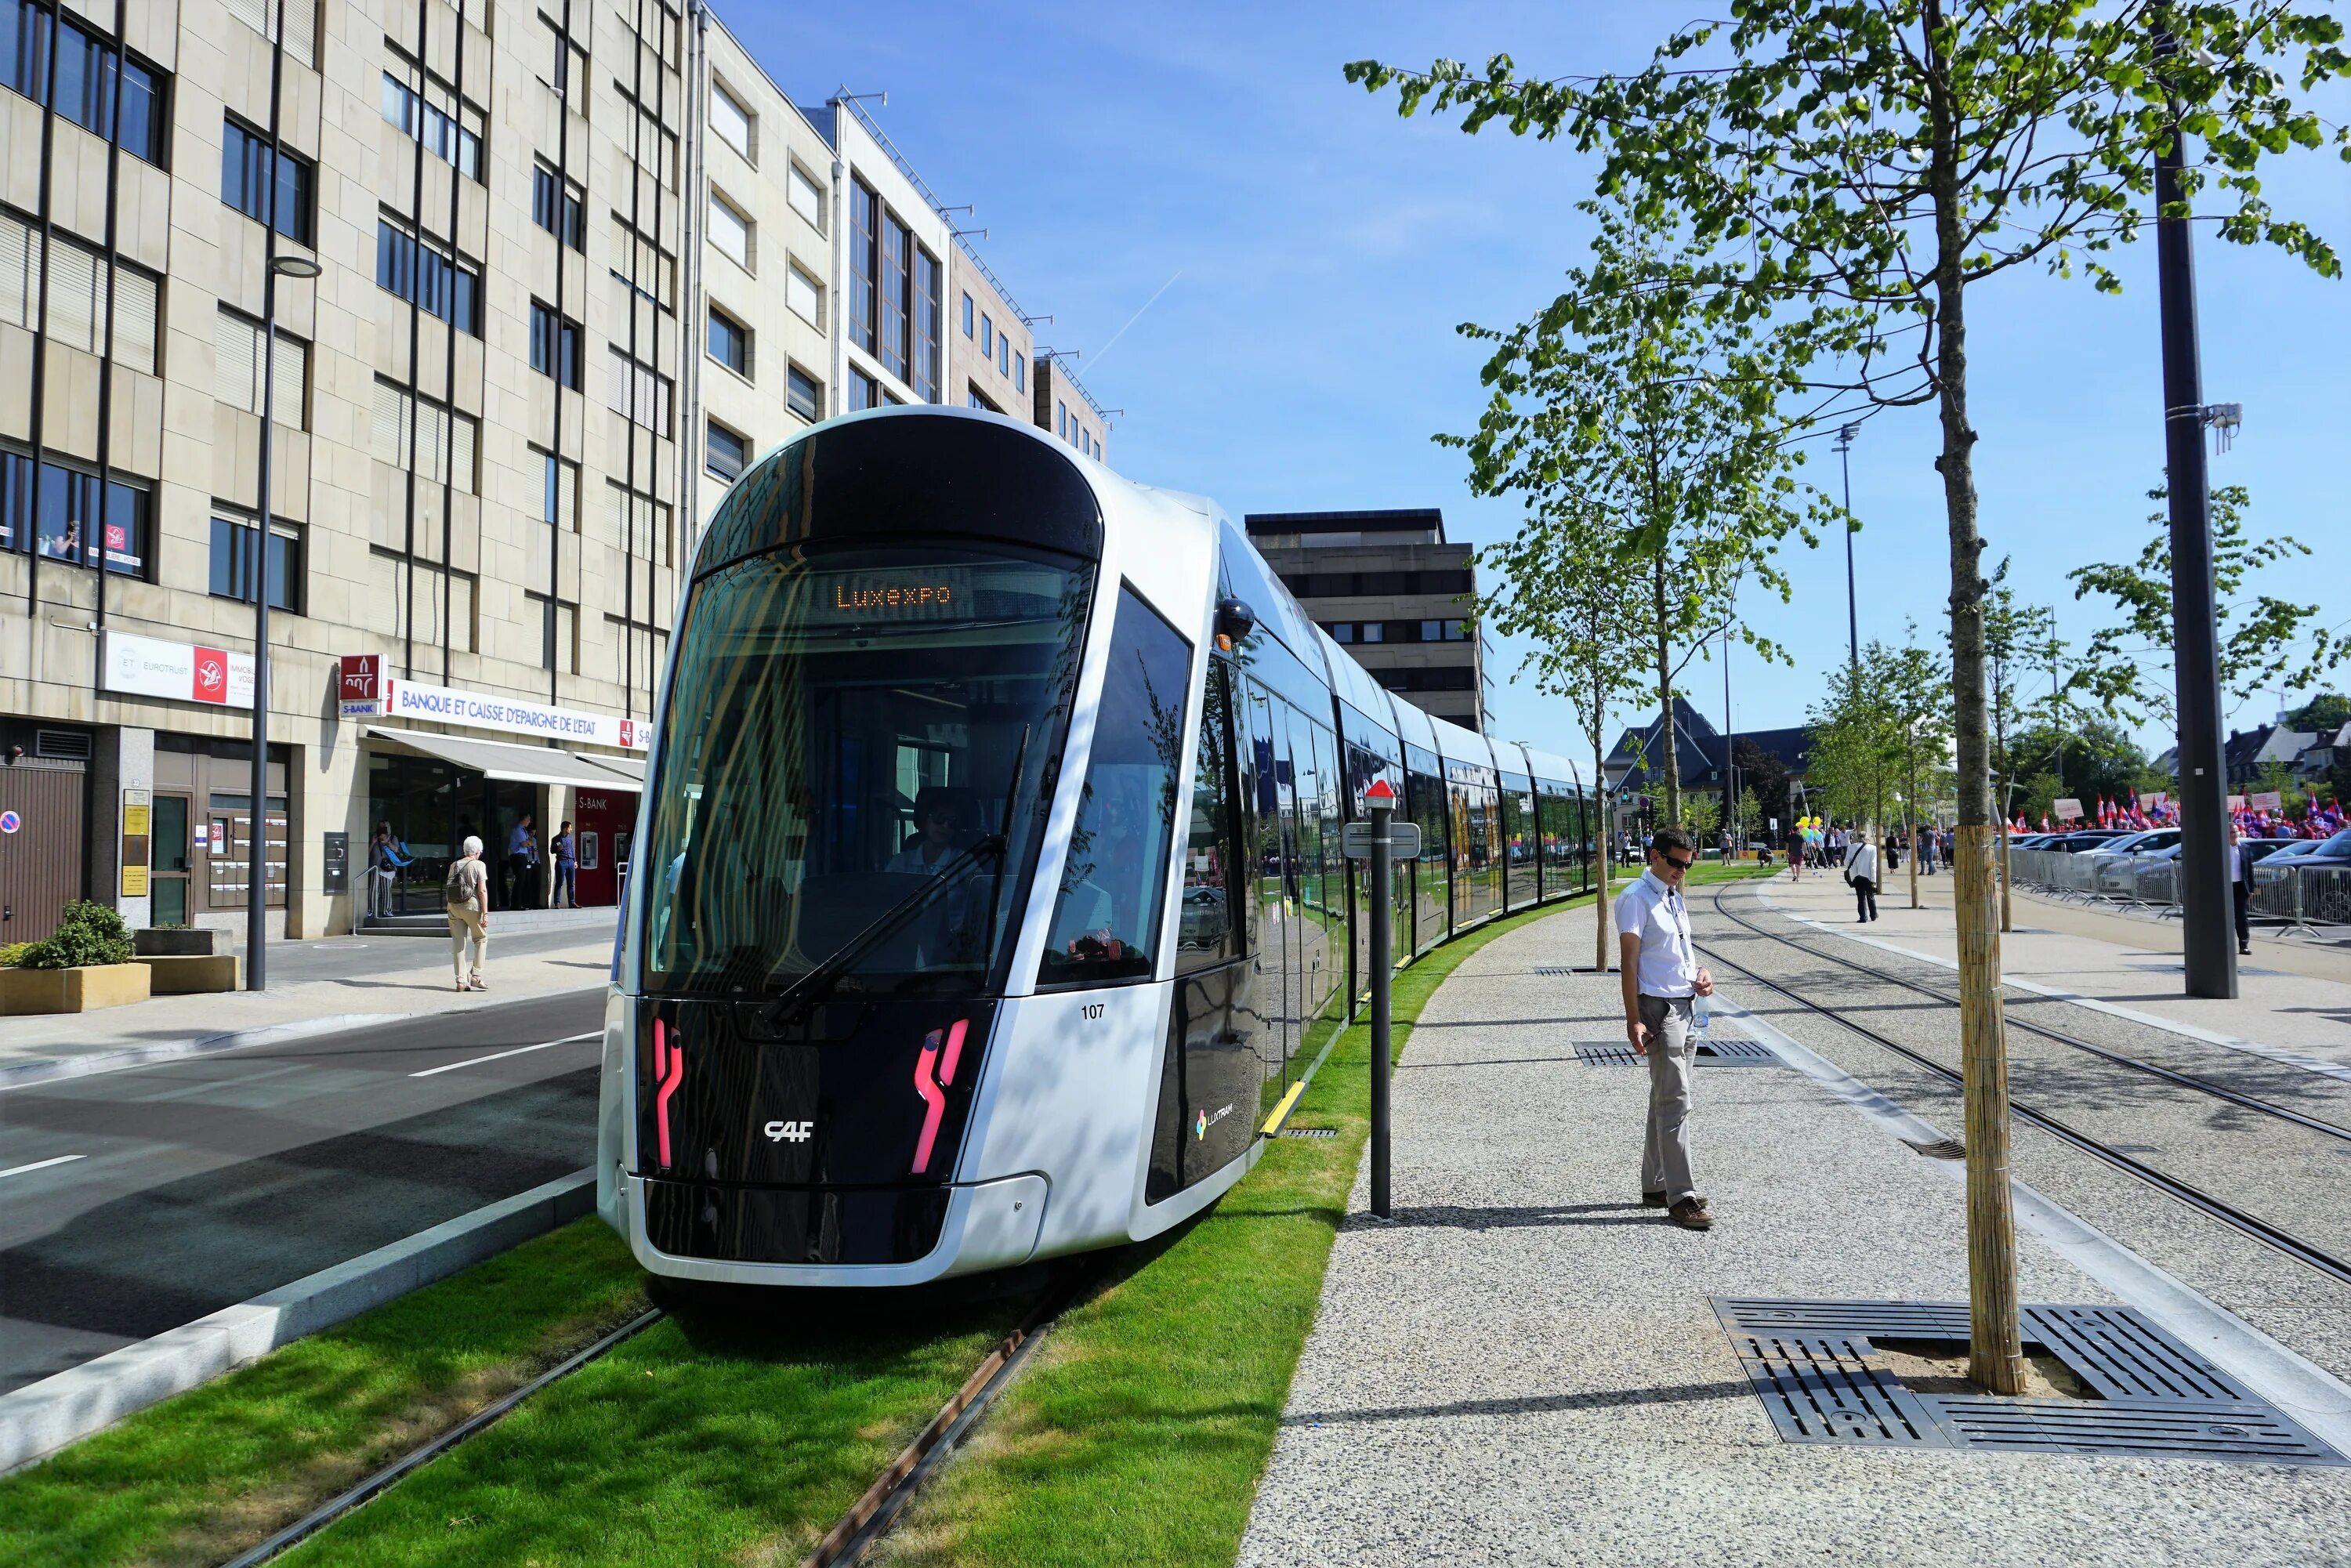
x=631 y=768
x=496 y=759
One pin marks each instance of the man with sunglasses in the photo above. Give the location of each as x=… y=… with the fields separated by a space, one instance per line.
x=1662 y=978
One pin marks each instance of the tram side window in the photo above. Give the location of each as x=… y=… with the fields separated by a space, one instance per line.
x=1206 y=933
x=1115 y=878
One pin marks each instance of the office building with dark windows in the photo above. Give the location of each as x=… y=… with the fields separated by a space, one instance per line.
x=1389 y=586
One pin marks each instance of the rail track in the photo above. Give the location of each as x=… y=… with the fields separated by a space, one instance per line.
x=2171 y=1186
x=2120 y=1059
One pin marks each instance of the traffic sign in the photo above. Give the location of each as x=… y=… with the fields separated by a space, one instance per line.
x=10 y=822
x=1356 y=839
x=1379 y=792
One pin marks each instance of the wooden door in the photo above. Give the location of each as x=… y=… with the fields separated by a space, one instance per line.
x=41 y=862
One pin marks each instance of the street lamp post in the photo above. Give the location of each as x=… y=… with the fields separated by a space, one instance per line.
x=256 y=892
x=1851 y=602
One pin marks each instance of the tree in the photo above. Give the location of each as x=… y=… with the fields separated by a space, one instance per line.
x=2093 y=757
x=1562 y=584
x=1916 y=690
x=1878 y=163
x=1701 y=815
x=1655 y=422
x=1750 y=816
x=1767 y=779
x=2323 y=715
x=2267 y=643
x=1856 y=760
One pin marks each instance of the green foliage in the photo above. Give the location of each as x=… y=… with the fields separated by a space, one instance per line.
x=2087 y=759
x=2038 y=794
x=87 y=934
x=1881 y=736
x=2325 y=713
x=1767 y=778
x=2128 y=666
x=2019 y=638
x=1702 y=815
x=12 y=954
x=1751 y=815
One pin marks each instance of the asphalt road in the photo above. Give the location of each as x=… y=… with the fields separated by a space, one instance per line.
x=354 y=959
x=133 y=1202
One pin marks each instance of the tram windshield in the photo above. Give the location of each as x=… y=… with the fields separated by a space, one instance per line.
x=851 y=769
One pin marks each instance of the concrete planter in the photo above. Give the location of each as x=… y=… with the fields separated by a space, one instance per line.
x=72 y=990
x=182 y=942
x=181 y=973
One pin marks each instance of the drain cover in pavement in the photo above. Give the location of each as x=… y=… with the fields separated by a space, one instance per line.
x=1718 y=1052
x=1822 y=1380
x=1310 y=1132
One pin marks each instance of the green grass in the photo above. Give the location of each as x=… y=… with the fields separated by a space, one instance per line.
x=198 y=1478
x=1138 y=1433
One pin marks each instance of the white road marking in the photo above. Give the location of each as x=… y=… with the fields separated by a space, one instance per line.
x=40 y=1165
x=499 y=1056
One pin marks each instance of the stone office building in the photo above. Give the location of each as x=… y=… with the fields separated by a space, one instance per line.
x=1389 y=586
x=469 y=543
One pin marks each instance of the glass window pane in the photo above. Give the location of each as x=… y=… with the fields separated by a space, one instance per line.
x=1205 y=933
x=1115 y=878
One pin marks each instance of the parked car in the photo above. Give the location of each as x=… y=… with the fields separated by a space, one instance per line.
x=2279 y=862
x=2138 y=842
x=2076 y=844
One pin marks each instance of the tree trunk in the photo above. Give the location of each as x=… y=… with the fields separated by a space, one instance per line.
x=1996 y=1350
x=1671 y=761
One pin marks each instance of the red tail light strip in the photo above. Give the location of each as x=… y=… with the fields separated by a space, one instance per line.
x=669 y=1071
x=954 y=1051
x=933 y=1097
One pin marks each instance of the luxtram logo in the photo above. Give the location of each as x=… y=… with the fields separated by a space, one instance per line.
x=1200 y=1127
x=790 y=1132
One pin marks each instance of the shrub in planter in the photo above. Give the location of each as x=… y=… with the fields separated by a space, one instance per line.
x=12 y=954
x=87 y=934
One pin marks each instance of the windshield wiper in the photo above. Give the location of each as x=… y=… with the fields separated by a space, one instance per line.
x=818 y=983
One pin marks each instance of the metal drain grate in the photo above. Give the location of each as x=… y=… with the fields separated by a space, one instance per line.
x=1940 y=1149
x=1310 y=1132
x=1719 y=1052
x=1819 y=1375
x=1554 y=968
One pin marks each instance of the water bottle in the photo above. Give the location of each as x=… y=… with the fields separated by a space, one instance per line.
x=1698 y=1019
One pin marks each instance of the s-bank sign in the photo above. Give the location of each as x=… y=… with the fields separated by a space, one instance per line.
x=151 y=667
x=397 y=699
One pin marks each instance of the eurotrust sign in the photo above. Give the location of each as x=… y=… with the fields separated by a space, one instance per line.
x=365 y=691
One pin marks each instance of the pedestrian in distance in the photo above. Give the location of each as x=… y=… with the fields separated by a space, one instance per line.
x=467 y=896
x=567 y=869
x=386 y=855
x=2241 y=892
x=1662 y=982
x=522 y=856
x=1926 y=852
x=1796 y=854
x=1861 y=871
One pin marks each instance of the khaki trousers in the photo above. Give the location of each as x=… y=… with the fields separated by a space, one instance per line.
x=1665 y=1157
x=465 y=926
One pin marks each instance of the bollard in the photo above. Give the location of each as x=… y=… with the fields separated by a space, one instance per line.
x=1382 y=803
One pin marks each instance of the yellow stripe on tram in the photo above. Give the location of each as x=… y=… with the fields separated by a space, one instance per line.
x=1281 y=1111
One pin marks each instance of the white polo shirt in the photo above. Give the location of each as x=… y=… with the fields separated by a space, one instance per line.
x=1657 y=914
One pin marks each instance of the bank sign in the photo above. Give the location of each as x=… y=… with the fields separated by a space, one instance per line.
x=188 y=673
x=366 y=693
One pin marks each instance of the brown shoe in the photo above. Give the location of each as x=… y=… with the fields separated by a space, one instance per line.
x=1658 y=1200
x=1690 y=1214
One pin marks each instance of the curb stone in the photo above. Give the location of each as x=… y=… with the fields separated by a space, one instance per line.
x=42 y=1418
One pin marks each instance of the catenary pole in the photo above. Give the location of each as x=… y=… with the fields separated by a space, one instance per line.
x=2205 y=893
x=1381 y=806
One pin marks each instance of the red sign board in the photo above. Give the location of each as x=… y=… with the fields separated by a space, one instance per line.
x=212 y=675
x=1379 y=790
x=362 y=672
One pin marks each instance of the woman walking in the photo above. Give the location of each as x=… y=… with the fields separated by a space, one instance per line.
x=466 y=892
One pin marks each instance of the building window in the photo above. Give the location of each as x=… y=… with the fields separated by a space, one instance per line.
x=428 y=278
x=926 y=307
x=1342 y=631
x=805 y=296
x=804 y=394
x=442 y=133
x=24 y=48
x=897 y=259
x=732 y=121
x=1003 y=355
x=1371 y=631
x=70 y=522
x=728 y=453
x=806 y=197
x=233 y=568
x=638 y=391
x=258 y=185
x=865 y=218
x=731 y=231
x=558 y=490
x=1062 y=419
x=966 y=315
x=554 y=345
x=441 y=442
x=864 y=391
x=639 y=261
x=89 y=74
x=300 y=20
x=987 y=337
x=730 y=342
x=1020 y=372
x=555 y=205
x=238 y=368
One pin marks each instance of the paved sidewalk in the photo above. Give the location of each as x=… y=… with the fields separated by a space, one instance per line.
x=328 y=986
x=1527 y=1367
x=2291 y=995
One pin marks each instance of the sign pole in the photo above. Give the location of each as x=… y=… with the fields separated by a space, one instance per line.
x=1381 y=800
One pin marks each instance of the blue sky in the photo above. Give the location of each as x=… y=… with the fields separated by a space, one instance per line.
x=1323 y=251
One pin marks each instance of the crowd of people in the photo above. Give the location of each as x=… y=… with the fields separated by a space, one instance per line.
x=2319 y=820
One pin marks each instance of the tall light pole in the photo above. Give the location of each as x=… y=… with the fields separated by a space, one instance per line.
x=1852 y=601
x=2210 y=958
x=1729 y=747
x=256 y=892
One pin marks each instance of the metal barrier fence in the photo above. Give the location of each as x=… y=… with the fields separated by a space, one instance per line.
x=2297 y=897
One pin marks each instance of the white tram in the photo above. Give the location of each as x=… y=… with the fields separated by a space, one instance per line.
x=988 y=903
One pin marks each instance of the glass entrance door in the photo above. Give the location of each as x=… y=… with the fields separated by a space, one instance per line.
x=169 y=878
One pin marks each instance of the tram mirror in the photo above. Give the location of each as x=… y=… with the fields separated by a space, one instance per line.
x=1234 y=620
